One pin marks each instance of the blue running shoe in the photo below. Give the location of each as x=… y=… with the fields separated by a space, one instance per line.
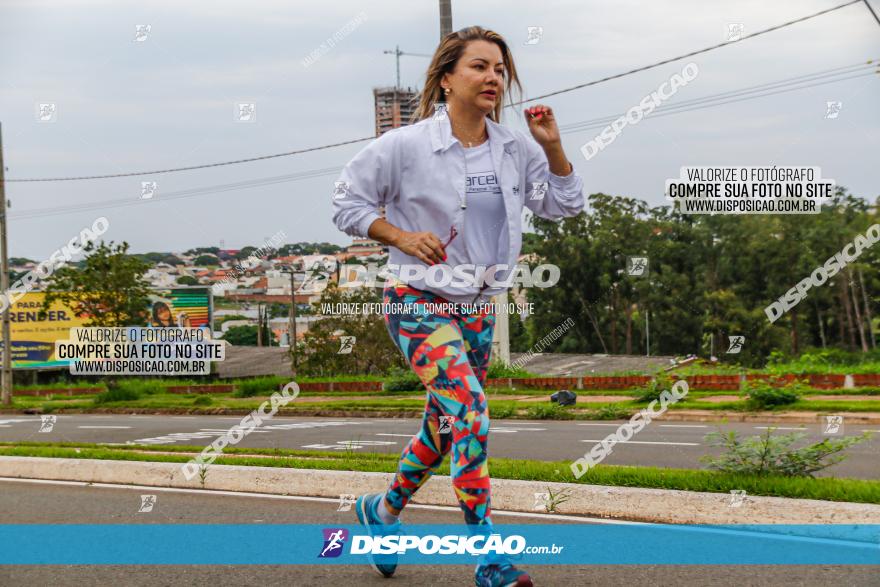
x=384 y=564
x=501 y=575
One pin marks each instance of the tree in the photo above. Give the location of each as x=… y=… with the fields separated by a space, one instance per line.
x=109 y=288
x=187 y=280
x=373 y=353
x=201 y=250
x=245 y=252
x=206 y=260
x=241 y=335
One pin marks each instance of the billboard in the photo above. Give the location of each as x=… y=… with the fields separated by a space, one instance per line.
x=33 y=340
x=181 y=306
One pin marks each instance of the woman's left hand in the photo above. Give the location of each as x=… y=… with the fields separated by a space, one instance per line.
x=542 y=124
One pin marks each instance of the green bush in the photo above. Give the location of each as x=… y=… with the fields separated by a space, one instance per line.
x=118 y=392
x=259 y=386
x=498 y=370
x=656 y=386
x=829 y=360
x=610 y=412
x=773 y=455
x=502 y=411
x=764 y=394
x=402 y=380
x=142 y=386
x=549 y=412
x=203 y=400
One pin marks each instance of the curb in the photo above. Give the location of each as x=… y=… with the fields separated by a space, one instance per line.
x=622 y=503
x=670 y=415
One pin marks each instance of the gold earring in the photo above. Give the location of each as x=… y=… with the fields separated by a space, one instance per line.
x=447 y=91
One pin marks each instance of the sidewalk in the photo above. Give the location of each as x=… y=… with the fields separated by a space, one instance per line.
x=618 y=503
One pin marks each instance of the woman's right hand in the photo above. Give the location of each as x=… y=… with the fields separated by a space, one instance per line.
x=425 y=246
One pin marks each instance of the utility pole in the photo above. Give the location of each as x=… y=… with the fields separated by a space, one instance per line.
x=269 y=324
x=501 y=334
x=259 y=324
x=445 y=17
x=6 y=377
x=397 y=53
x=291 y=329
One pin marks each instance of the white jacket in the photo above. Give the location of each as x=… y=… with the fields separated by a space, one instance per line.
x=418 y=173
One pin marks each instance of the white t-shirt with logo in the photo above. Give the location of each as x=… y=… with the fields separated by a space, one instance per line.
x=484 y=215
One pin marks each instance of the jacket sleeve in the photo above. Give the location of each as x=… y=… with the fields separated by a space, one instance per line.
x=555 y=196
x=364 y=185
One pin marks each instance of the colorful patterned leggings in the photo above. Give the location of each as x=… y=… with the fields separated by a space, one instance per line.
x=450 y=354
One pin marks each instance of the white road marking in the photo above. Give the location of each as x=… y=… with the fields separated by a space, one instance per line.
x=599 y=424
x=778 y=428
x=650 y=442
x=105 y=427
x=683 y=426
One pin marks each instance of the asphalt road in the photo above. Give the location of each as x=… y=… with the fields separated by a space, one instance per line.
x=28 y=502
x=674 y=444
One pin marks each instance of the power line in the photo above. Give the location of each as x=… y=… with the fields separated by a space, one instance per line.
x=322 y=147
x=868 y=4
x=692 y=53
x=832 y=75
x=177 y=195
x=795 y=83
x=709 y=105
x=192 y=167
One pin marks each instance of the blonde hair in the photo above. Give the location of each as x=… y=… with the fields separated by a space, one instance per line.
x=446 y=56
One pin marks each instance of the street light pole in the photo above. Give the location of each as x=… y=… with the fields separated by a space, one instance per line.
x=291 y=329
x=6 y=376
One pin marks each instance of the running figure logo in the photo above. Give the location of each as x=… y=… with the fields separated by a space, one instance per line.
x=736 y=344
x=147 y=503
x=333 y=542
x=47 y=423
x=535 y=34
x=347 y=345
x=636 y=266
x=832 y=109
x=446 y=424
x=737 y=497
x=340 y=190
x=833 y=425
x=538 y=190
x=541 y=501
x=346 y=500
x=148 y=189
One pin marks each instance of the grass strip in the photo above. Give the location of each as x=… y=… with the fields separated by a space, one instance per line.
x=828 y=489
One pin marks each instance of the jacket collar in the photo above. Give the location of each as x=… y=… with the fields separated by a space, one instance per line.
x=442 y=138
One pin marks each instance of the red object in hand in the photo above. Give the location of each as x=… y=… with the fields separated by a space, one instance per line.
x=452 y=235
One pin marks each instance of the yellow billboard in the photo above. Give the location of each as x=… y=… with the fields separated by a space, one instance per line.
x=33 y=340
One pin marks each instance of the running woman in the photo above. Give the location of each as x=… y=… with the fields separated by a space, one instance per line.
x=453 y=185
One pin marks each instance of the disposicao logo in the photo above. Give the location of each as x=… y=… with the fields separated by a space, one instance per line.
x=334 y=540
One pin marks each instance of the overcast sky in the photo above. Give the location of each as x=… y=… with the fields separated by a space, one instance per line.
x=169 y=101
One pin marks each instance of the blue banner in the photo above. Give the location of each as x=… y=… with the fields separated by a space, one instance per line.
x=572 y=544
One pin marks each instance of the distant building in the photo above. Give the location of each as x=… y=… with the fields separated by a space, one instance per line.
x=394 y=107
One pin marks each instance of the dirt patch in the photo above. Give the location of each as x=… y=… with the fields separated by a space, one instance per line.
x=338 y=398
x=717 y=399
x=581 y=399
x=834 y=397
